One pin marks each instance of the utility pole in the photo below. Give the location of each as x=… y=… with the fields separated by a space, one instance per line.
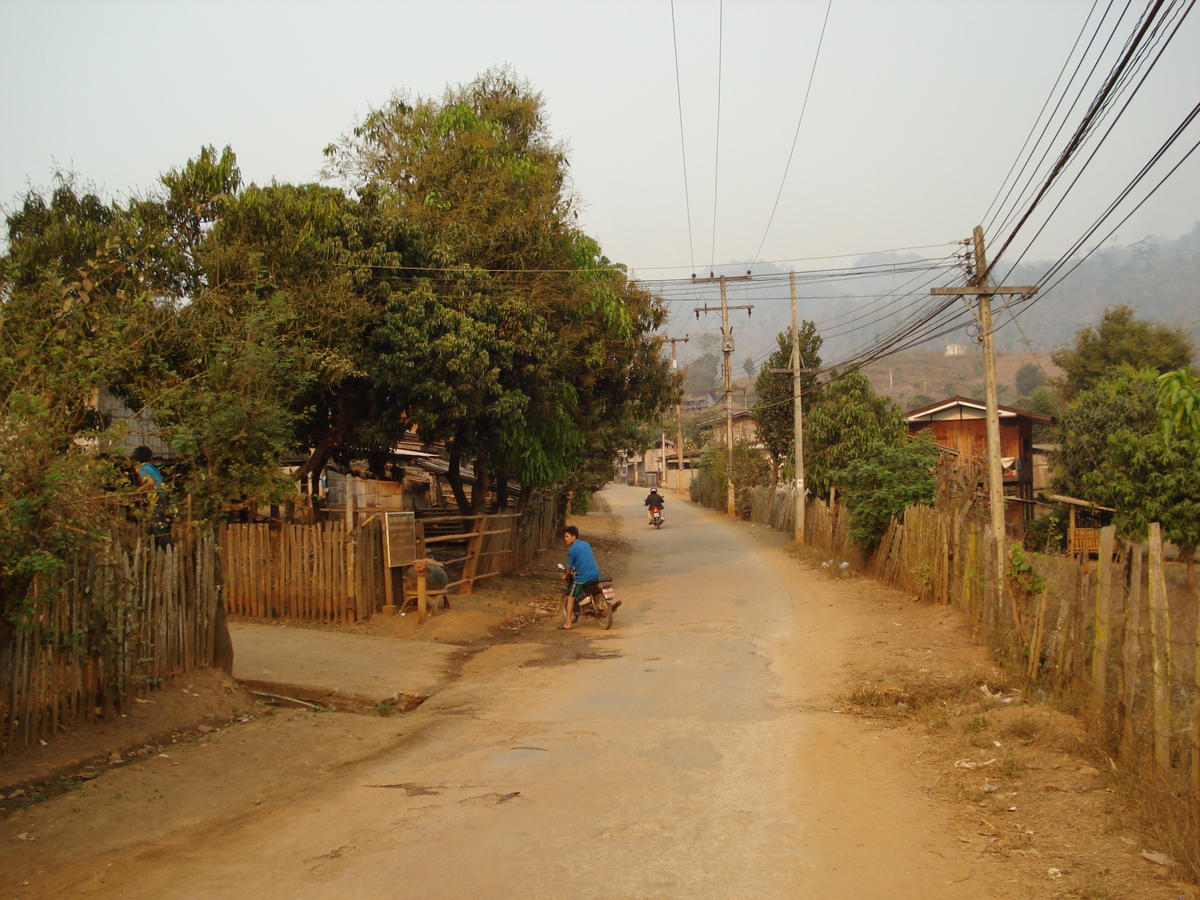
x=983 y=292
x=797 y=416
x=727 y=349
x=678 y=414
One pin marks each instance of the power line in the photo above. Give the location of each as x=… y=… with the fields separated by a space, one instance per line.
x=796 y=137
x=687 y=194
x=1098 y=105
x=717 y=148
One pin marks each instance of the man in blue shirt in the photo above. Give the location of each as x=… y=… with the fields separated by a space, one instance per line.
x=582 y=561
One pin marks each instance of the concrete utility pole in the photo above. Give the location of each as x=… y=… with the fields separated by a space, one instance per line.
x=678 y=413
x=727 y=349
x=983 y=315
x=797 y=415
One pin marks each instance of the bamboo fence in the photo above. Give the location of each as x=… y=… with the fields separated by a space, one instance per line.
x=330 y=574
x=316 y=573
x=109 y=628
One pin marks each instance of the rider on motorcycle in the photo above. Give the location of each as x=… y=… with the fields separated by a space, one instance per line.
x=582 y=562
x=652 y=502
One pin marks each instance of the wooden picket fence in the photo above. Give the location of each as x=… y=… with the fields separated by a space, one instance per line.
x=109 y=628
x=317 y=573
x=335 y=575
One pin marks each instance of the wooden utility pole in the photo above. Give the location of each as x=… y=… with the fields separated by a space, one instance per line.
x=983 y=292
x=678 y=413
x=727 y=350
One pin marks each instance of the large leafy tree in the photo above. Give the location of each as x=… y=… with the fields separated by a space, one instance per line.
x=540 y=348
x=774 y=412
x=323 y=273
x=848 y=422
x=1116 y=452
x=73 y=318
x=1119 y=339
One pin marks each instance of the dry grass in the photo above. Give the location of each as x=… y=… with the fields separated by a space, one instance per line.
x=1166 y=810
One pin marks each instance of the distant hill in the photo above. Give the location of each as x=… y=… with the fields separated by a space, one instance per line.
x=906 y=377
x=1159 y=279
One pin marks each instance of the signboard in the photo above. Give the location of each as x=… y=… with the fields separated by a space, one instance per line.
x=399 y=538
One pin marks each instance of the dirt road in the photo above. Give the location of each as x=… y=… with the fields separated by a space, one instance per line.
x=694 y=751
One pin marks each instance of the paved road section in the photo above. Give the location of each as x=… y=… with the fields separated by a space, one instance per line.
x=689 y=752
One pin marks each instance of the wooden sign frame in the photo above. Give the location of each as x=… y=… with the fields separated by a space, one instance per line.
x=399 y=539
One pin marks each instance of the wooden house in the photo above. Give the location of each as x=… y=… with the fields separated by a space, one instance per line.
x=959 y=426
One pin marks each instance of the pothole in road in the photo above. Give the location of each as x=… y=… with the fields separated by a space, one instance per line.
x=559 y=655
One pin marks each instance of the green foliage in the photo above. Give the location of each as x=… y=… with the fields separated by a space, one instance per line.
x=64 y=334
x=1118 y=340
x=883 y=482
x=452 y=292
x=1178 y=404
x=1114 y=453
x=710 y=486
x=533 y=354
x=1042 y=400
x=1028 y=379
x=701 y=373
x=1021 y=572
x=848 y=422
x=1121 y=403
x=774 y=413
x=1047 y=533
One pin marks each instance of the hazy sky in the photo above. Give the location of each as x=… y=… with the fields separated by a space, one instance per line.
x=916 y=113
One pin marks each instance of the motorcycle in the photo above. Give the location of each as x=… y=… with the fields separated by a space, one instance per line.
x=599 y=604
x=656 y=518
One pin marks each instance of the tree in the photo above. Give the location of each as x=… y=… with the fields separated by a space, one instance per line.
x=774 y=412
x=848 y=422
x=1117 y=453
x=1119 y=339
x=701 y=373
x=710 y=486
x=73 y=317
x=1121 y=403
x=1028 y=379
x=539 y=352
x=877 y=488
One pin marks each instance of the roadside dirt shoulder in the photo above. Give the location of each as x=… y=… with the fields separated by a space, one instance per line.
x=1011 y=777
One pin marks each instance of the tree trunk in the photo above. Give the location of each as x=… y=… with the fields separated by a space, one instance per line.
x=479 y=490
x=454 y=477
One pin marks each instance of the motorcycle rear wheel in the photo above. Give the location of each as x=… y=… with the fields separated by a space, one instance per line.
x=604 y=612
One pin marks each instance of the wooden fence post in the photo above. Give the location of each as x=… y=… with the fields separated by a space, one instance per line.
x=1131 y=651
x=474 y=549
x=1101 y=629
x=1159 y=647
x=1196 y=708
